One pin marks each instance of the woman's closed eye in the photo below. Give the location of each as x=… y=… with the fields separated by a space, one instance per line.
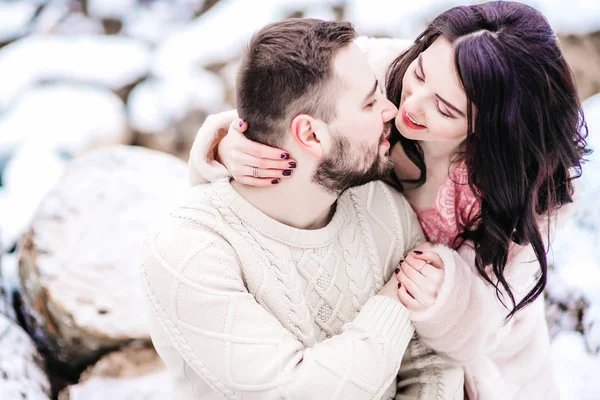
x=437 y=103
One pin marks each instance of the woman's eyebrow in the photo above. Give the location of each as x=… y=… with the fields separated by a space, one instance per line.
x=447 y=103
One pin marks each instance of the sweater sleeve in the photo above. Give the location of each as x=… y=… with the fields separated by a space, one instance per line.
x=468 y=320
x=240 y=350
x=202 y=165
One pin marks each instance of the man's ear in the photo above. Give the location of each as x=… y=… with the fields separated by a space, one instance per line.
x=310 y=134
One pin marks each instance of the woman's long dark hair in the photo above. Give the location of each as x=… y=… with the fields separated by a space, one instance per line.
x=527 y=133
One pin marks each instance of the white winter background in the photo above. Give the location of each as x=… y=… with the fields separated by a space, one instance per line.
x=67 y=63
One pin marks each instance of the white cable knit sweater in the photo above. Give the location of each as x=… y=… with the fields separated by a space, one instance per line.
x=243 y=306
x=502 y=360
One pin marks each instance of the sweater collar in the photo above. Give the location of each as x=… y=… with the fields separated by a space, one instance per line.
x=277 y=230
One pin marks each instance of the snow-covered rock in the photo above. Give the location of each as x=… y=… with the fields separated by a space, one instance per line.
x=168 y=113
x=15 y=17
x=128 y=374
x=156 y=21
x=155 y=105
x=71 y=118
x=231 y=21
x=575 y=368
x=78 y=270
x=22 y=371
x=110 y=9
x=110 y=61
x=9 y=283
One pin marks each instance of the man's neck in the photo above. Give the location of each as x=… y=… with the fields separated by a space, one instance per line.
x=296 y=202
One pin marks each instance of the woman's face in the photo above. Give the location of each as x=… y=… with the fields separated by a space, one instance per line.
x=433 y=104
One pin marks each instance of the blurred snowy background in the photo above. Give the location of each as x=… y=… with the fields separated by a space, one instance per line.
x=77 y=76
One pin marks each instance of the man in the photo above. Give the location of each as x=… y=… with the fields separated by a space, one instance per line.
x=281 y=292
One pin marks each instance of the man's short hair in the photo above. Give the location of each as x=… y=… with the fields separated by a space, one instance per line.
x=287 y=70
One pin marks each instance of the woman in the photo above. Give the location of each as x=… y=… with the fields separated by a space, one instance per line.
x=488 y=138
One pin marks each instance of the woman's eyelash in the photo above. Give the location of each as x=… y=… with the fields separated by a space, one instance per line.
x=437 y=104
x=371 y=104
x=417 y=76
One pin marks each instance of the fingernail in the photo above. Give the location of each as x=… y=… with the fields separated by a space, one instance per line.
x=287 y=172
x=292 y=165
x=399 y=285
x=397 y=270
x=242 y=122
x=285 y=156
x=401 y=261
x=275 y=181
x=417 y=252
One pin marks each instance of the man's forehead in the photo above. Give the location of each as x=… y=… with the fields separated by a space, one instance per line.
x=352 y=68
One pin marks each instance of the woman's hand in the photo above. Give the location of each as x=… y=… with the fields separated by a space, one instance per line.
x=252 y=163
x=420 y=276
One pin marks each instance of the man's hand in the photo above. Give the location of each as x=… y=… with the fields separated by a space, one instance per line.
x=420 y=276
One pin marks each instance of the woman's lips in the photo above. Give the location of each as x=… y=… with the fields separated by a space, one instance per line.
x=409 y=123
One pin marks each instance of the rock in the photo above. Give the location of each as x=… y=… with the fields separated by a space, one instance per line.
x=112 y=62
x=80 y=283
x=22 y=371
x=129 y=374
x=583 y=55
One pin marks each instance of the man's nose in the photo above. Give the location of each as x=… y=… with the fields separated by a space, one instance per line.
x=389 y=111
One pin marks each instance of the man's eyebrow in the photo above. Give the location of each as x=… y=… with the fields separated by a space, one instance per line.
x=447 y=103
x=372 y=92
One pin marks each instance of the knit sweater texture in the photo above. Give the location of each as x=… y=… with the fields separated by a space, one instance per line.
x=243 y=306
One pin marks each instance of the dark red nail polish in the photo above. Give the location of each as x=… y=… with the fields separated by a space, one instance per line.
x=292 y=165
x=241 y=122
x=418 y=252
x=399 y=285
x=401 y=261
x=285 y=156
x=275 y=181
x=397 y=270
x=287 y=172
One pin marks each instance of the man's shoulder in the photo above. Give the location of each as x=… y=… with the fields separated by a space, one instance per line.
x=194 y=219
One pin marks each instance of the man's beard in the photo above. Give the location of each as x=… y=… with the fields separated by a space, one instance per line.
x=346 y=166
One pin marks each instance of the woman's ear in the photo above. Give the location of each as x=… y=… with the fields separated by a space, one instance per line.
x=310 y=134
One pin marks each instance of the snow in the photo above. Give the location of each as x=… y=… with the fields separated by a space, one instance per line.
x=575 y=368
x=26 y=187
x=64 y=117
x=233 y=22
x=153 y=23
x=156 y=104
x=109 y=61
x=14 y=19
x=110 y=9
x=407 y=19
